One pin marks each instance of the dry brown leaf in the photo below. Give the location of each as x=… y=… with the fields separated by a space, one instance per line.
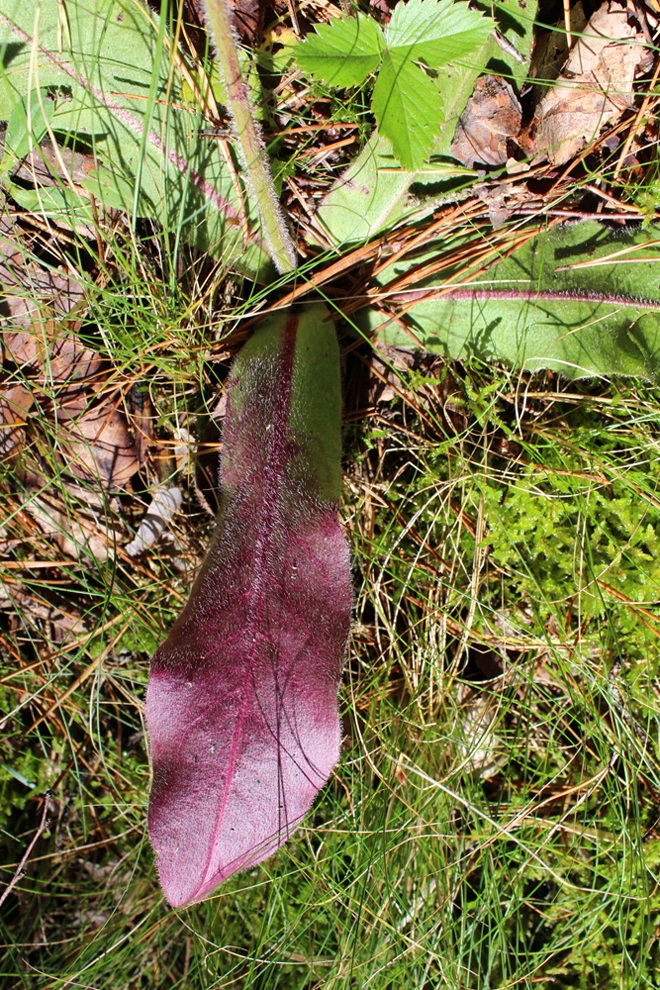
x=595 y=87
x=33 y=301
x=53 y=358
x=73 y=532
x=63 y=622
x=141 y=419
x=490 y=121
x=95 y=443
x=29 y=292
x=248 y=18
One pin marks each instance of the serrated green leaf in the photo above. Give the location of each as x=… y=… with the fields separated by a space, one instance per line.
x=344 y=52
x=372 y=193
x=575 y=299
x=407 y=109
x=405 y=102
x=436 y=31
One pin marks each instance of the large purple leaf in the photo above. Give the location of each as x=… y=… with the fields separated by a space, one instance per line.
x=242 y=697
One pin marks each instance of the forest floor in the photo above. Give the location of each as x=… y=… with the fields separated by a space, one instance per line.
x=495 y=817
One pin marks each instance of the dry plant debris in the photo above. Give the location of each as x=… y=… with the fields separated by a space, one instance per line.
x=596 y=85
x=488 y=125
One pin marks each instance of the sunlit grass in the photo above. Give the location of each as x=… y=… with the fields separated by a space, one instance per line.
x=493 y=819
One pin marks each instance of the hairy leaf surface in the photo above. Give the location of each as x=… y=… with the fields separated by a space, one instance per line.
x=101 y=74
x=576 y=299
x=242 y=698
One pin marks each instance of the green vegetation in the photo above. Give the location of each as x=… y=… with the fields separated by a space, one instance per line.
x=494 y=819
x=408 y=107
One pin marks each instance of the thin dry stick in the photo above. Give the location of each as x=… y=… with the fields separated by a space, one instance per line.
x=43 y=825
x=567 y=23
x=248 y=138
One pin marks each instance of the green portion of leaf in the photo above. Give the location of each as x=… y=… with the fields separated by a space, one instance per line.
x=436 y=31
x=370 y=195
x=57 y=203
x=515 y=22
x=115 y=87
x=407 y=110
x=27 y=125
x=344 y=52
x=534 y=312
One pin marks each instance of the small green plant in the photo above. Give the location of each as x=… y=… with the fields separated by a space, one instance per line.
x=407 y=104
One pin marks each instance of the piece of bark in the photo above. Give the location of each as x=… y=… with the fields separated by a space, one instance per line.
x=596 y=86
x=488 y=125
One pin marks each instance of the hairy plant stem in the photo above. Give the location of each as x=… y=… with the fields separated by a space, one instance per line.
x=250 y=143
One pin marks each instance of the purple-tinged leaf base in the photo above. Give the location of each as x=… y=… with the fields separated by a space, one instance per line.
x=242 y=698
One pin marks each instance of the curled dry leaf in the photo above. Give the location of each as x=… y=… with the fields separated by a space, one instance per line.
x=242 y=697
x=595 y=87
x=75 y=532
x=488 y=125
x=95 y=444
x=159 y=515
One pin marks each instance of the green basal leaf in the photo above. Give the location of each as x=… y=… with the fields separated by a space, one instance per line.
x=27 y=125
x=407 y=110
x=57 y=203
x=119 y=92
x=371 y=195
x=576 y=299
x=344 y=52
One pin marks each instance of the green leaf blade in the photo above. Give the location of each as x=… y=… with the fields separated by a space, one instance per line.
x=407 y=108
x=344 y=52
x=574 y=299
x=436 y=31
